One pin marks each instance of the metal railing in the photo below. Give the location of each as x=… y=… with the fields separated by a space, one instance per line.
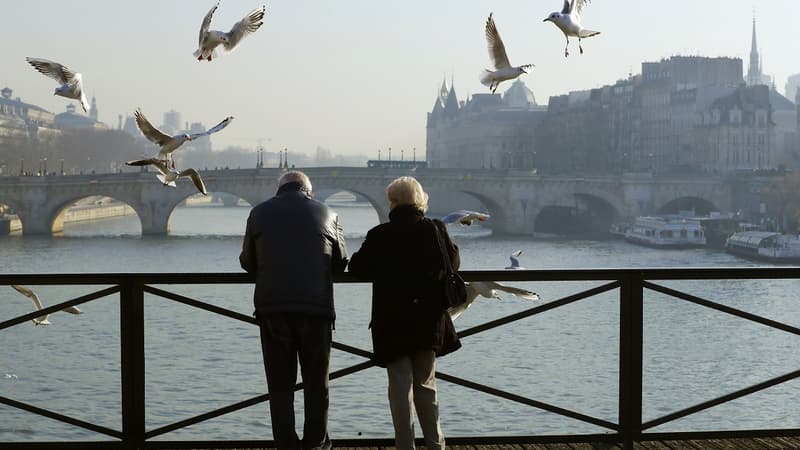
x=631 y=284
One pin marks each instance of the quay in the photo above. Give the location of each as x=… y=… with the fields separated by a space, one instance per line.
x=625 y=428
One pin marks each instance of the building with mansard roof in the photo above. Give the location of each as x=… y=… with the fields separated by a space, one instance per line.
x=20 y=121
x=72 y=120
x=484 y=131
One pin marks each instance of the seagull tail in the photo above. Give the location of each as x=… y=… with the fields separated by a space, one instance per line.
x=588 y=33
x=486 y=78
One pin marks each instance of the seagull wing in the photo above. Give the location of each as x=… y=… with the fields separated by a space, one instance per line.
x=567 y=7
x=519 y=292
x=72 y=310
x=215 y=128
x=53 y=70
x=30 y=294
x=513 y=257
x=79 y=87
x=478 y=216
x=195 y=176
x=497 y=51
x=251 y=22
x=204 y=27
x=160 y=164
x=152 y=133
x=472 y=294
x=454 y=216
x=41 y=320
x=577 y=6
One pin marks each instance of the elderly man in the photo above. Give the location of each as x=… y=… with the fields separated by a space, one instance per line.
x=293 y=245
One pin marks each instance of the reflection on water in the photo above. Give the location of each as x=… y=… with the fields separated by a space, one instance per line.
x=568 y=356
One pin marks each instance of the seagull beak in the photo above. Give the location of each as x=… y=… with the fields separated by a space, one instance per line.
x=523 y=70
x=546 y=19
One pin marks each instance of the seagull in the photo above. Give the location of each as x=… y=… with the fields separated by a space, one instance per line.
x=210 y=39
x=71 y=82
x=465 y=217
x=514 y=261
x=41 y=320
x=497 y=51
x=488 y=289
x=168 y=176
x=569 y=22
x=167 y=143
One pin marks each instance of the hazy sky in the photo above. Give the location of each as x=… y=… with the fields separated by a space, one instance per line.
x=356 y=76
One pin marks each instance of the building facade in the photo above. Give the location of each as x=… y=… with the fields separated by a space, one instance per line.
x=22 y=122
x=485 y=131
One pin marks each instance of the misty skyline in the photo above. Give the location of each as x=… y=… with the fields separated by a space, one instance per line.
x=358 y=76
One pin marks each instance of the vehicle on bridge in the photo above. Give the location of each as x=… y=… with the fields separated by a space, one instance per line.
x=387 y=164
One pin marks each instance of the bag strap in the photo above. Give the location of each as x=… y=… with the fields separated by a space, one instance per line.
x=448 y=265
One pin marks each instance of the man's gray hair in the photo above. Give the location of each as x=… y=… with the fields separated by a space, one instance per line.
x=295 y=176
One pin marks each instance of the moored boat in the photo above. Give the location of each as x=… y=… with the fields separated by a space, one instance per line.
x=765 y=246
x=666 y=231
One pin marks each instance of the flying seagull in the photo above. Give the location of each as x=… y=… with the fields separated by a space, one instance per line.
x=514 y=261
x=569 y=22
x=497 y=52
x=168 y=144
x=211 y=39
x=465 y=217
x=168 y=176
x=488 y=289
x=41 y=320
x=71 y=83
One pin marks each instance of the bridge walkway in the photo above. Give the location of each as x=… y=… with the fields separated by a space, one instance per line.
x=753 y=443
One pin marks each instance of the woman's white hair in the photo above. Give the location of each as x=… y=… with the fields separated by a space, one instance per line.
x=406 y=191
x=295 y=176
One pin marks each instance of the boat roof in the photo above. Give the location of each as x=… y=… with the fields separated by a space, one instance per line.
x=755 y=234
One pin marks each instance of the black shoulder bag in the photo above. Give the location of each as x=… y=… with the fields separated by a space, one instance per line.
x=454 y=291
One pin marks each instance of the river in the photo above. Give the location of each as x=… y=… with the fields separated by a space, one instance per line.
x=568 y=357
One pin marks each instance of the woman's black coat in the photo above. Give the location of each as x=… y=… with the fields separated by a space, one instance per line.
x=403 y=260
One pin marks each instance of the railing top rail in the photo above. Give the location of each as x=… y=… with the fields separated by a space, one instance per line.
x=683 y=273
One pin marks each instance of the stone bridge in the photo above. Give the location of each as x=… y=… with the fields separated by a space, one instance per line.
x=519 y=201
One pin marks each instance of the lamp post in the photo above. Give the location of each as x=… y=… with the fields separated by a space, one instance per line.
x=415 y=154
x=62 y=166
x=286 y=158
x=379 y=154
x=44 y=166
x=21 y=166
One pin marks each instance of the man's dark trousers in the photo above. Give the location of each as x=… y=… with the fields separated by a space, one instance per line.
x=285 y=339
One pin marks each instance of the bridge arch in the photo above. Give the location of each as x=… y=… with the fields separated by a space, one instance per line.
x=85 y=208
x=585 y=214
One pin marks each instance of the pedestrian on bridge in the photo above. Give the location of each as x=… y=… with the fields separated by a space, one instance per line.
x=293 y=245
x=410 y=326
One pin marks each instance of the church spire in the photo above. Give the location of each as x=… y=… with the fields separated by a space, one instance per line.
x=754 y=73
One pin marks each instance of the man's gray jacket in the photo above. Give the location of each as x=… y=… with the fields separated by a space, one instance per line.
x=293 y=244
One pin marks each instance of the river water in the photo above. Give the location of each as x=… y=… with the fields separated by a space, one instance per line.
x=197 y=361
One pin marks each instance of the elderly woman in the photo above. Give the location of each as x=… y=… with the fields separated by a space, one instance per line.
x=410 y=328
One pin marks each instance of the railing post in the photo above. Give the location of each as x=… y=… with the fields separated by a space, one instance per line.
x=131 y=311
x=630 y=358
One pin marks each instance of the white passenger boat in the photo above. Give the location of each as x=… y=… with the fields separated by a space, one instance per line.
x=765 y=246
x=666 y=231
